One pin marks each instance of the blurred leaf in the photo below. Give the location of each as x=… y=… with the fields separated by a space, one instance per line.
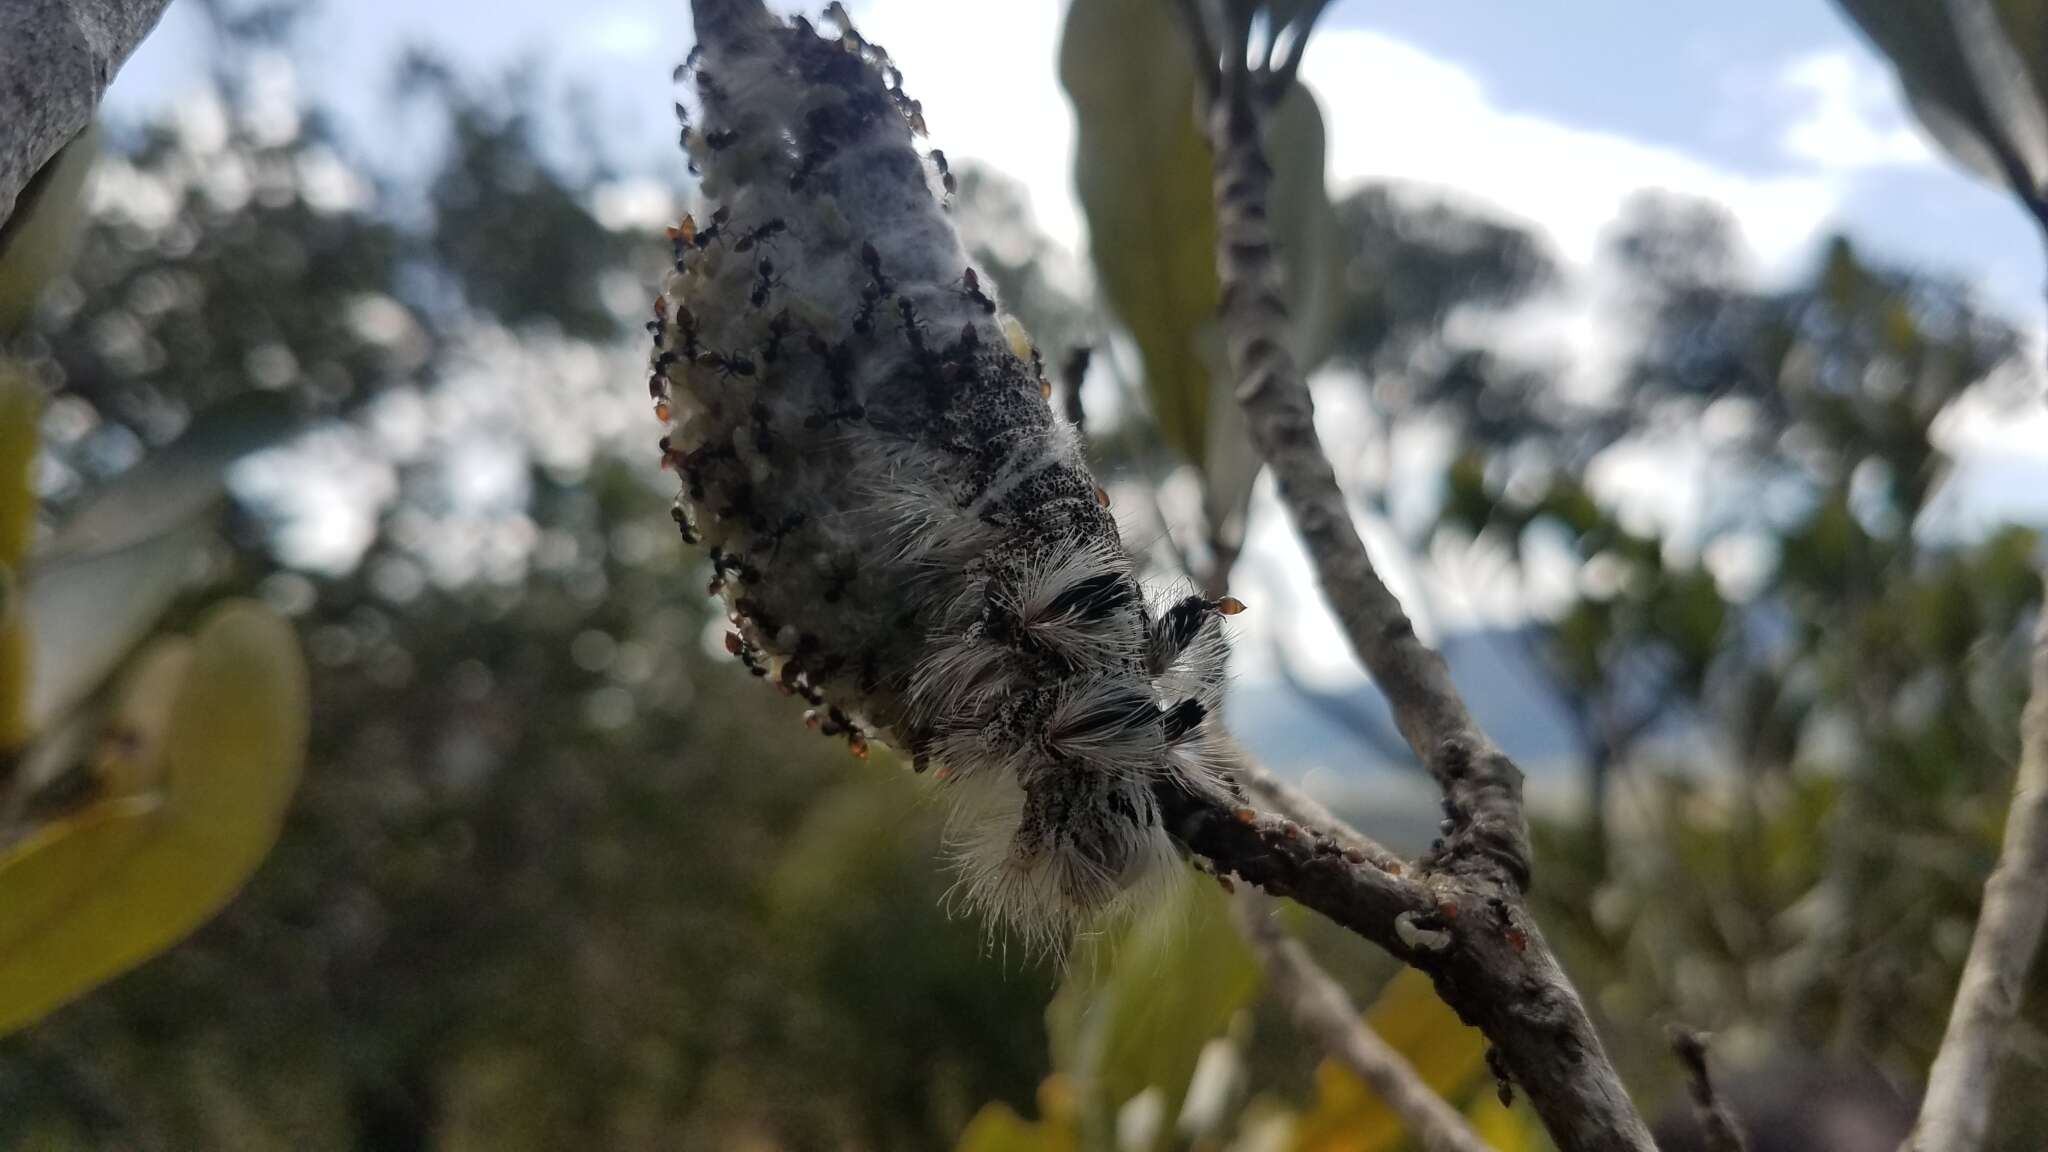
x=1502 y=1128
x=20 y=406
x=1973 y=71
x=184 y=479
x=87 y=612
x=20 y=403
x=1414 y=1020
x=36 y=241
x=92 y=896
x=1140 y=1005
x=131 y=753
x=998 y=1128
x=1145 y=180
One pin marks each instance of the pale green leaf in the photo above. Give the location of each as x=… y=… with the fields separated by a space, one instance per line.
x=1140 y=1004
x=91 y=896
x=85 y=613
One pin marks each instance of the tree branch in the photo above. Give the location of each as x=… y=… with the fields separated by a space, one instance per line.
x=1721 y=1131
x=56 y=60
x=1955 y=1116
x=1322 y=1010
x=1459 y=917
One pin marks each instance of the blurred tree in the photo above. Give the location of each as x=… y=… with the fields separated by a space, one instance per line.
x=1814 y=628
x=529 y=895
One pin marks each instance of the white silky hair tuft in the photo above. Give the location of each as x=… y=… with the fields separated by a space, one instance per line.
x=902 y=529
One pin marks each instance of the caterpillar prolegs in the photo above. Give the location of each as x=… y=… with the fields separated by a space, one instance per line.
x=903 y=531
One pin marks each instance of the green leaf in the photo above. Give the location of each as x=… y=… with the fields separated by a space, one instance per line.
x=1446 y=1053
x=1140 y=1005
x=998 y=1128
x=20 y=404
x=1145 y=180
x=37 y=239
x=87 y=612
x=89 y=897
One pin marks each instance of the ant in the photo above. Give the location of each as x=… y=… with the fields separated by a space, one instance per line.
x=807 y=168
x=681 y=516
x=938 y=157
x=778 y=329
x=760 y=235
x=688 y=233
x=873 y=260
x=764 y=440
x=768 y=282
x=972 y=290
x=686 y=323
x=729 y=364
x=913 y=328
x=839 y=580
x=689 y=63
x=864 y=320
x=721 y=139
x=788 y=524
x=709 y=87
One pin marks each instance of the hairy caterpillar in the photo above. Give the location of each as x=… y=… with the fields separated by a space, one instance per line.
x=904 y=532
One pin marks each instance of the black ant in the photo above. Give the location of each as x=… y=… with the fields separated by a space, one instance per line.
x=778 y=329
x=709 y=87
x=913 y=328
x=873 y=260
x=864 y=320
x=760 y=235
x=721 y=139
x=764 y=440
x=945 y=172
x=702 y=237
x=768 y=282
x=972 y=290
x=839 y=581
x=686 y=323
x=788 y=524
x=681 y=515
x=729 y=364
x=689 y=63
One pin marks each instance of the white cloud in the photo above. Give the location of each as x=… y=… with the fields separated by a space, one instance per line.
x=1853 y=118
x=1396 y=111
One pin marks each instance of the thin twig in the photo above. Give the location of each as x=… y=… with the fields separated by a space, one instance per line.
x=58 y=57
x=1955 y=1116
x=1718 y=1125
x=1322 y=1010
x=1461 y=918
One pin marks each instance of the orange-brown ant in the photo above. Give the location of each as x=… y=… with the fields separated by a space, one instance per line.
x=972 y=290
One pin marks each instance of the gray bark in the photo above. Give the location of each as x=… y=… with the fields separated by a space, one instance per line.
x=56 y=59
